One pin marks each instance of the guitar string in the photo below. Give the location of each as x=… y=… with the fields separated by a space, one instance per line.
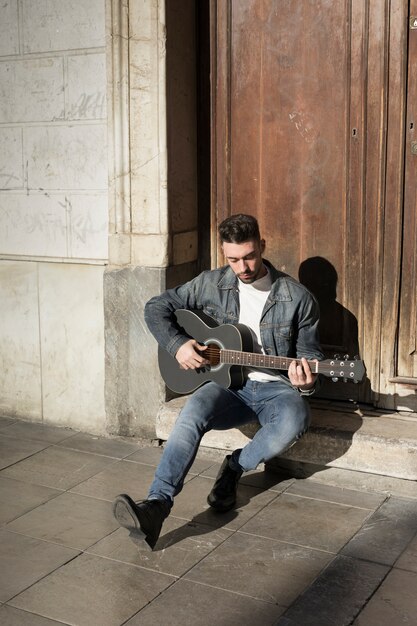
x=214 y=353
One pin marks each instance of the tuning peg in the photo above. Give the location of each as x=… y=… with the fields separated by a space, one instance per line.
x=334 y=379
x=356 y=357
x=337 y=357
x=346 y=357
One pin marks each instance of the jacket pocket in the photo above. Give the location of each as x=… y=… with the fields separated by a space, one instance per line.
x=278 y=338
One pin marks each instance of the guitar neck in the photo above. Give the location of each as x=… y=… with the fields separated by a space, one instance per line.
x=252 y=359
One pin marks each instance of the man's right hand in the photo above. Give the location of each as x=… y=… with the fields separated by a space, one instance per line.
x=189 y=357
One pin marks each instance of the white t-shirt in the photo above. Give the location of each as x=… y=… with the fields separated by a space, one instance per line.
x=253 y=297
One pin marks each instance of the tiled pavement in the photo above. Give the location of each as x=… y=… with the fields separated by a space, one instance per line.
x=337 y=548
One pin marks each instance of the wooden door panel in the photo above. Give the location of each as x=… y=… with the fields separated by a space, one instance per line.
x=289 y=119
x=292 y=140
x=308 y=113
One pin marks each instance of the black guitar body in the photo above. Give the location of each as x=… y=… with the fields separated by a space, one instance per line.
x=201 y=327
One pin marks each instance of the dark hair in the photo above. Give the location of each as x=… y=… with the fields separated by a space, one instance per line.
x=239 y=228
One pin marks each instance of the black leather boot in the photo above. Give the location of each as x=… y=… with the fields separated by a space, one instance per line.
x=223 y=495
x=143 y=520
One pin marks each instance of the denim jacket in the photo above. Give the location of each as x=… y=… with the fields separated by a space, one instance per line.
x=289 y=322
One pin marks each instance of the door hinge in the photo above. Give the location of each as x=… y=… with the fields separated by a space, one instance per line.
x=414 y=147
x=413 y=23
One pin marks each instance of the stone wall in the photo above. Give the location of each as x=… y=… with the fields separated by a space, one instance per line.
x=98 y=203
x=53 y=210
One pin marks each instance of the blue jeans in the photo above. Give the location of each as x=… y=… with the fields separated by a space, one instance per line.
x=283 y=414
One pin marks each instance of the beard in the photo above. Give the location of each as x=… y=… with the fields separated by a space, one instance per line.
x=251 y=277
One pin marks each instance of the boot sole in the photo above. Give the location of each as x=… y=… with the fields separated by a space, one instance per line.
x=126 y=517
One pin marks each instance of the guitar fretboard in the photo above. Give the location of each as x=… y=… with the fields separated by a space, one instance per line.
x=251 y=359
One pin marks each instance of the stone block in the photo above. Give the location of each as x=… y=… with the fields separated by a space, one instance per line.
x=31 y=90
x=72 y=345
x=119 y=249
x=62 y=25
x=360 y=443
x=20 y=380
x=54 y=225
x=148 y=213
x=148 y=115
x=33 y=225
x=150 y=250
x=67 y=157
x=9 y=30
x=88 y=230
x=86 y=87
x=11 y=158
x=134 y=389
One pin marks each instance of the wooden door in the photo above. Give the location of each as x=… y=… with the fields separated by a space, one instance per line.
x=404 y=374
x=304 y=139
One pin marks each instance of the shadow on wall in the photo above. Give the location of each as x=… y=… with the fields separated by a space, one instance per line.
x=339 y=334
x=338 y=326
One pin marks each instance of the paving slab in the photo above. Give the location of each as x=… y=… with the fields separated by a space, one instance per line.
x=24 y=560
x=180 y=546
x=37 y=431
x=121 y=477
x=189 y=603
x=57 y=467
x=149 y=455
x=337 y=595
x=17 y=498
x=93 y=590
x=13 y=450
x=338 y=495
x=408 y=559
x=386 y=534
x=308 y=522
x=70 y=520
x=115 y=448
x=10 y=616
x=362 y=481
x=253 y=566
x=395 y=602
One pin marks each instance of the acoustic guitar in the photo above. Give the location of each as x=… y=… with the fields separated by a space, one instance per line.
x=229 y=350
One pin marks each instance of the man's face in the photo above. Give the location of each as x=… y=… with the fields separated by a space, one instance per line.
x=245 y=259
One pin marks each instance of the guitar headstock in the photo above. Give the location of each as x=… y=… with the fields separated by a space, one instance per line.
x=343 y=368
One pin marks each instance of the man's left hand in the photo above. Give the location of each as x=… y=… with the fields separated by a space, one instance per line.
x=301 y=375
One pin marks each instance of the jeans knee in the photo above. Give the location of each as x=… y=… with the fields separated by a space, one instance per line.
x=194 y=417
x=292 y=424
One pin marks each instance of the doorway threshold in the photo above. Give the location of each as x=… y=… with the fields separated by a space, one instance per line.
x=357 y=438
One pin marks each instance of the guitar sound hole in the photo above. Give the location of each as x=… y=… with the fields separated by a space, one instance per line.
x=212 y=354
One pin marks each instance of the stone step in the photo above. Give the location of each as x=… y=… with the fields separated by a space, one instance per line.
x=362 y=440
